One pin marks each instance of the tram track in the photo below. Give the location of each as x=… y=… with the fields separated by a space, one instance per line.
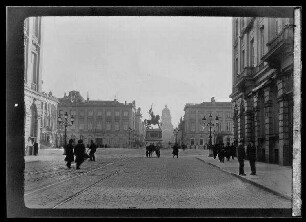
x=71 y=178
x=84 y=189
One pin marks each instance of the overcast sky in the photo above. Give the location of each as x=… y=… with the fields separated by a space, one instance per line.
x=159 y=60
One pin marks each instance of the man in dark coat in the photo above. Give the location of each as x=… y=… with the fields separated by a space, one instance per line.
x=228 y=151
x=69 y=153
x=215 y=151
x=251 y=154
x=221 y=152
x=147 y=150
x=79 y=152
x=241 y=157
x=93 y=148
x=35 y=148
x=233 y=150
x=175 y=150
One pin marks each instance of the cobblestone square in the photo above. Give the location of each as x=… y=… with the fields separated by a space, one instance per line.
x=125 y=178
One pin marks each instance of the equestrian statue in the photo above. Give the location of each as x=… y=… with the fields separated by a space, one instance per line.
x=153 y=121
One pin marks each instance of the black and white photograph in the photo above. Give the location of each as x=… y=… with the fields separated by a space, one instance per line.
x=156 y=112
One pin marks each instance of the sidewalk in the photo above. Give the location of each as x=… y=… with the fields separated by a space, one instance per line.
x=271 y=177
x=46 y=155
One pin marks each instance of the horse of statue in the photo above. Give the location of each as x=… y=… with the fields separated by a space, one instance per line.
x=153 y=121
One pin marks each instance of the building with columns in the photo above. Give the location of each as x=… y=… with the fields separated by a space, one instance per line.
x=262 y=86
x=197 y=133
x=167 y=127
x=105 y=122
x=40 y=107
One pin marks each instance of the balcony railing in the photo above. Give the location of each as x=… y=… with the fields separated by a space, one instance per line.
x=260 y=67
x=245 y=75
x=278 y=46
x=286 y=36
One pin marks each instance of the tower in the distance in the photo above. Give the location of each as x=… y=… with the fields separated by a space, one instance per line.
x=167 y=127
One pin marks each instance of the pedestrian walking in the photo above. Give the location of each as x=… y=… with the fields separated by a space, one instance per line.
x=69 y=153
x=175 y=150
x=29 y=147
x=228 y=151
x=93 y=148
x=183 y=147
x=35 y=148
x=241 y=157
x=215 y=151
x=251 y=154
x=79 y=152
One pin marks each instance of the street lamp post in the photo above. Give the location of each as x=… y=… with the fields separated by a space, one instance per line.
x=65 y=123
x=211 y=124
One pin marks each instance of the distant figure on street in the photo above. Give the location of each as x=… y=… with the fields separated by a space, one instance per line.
x=93 y=148
x=35 y=148
x=233 y=150
x=228 y=151
x=183 y=147
x=29 y=147
x=251 y=154
x=215 y=150
x=79 y=152
x=157 y=149
x=69 y=153
x=147 y=150
x=221 y=153
x=175 y=150
x=241 y=157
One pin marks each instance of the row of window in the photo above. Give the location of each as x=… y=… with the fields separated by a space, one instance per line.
x=108 y=125
x=218 y=113
x=247 y=52
x=217 y=128
x=99 y=113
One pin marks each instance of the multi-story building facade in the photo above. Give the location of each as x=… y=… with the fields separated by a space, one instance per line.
x=40 y=107
x=167 y=127
x=108 y=123
x=262 y=85
x=196 y=133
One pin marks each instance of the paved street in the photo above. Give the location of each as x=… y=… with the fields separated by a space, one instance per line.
x=125 y=178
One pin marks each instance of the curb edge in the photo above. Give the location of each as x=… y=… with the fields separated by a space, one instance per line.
x=250 y=181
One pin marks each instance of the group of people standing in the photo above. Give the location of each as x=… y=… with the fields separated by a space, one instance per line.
x=250 y=154
x=31 y=147
x=229 y=151
x=79 y=151
x=222 y=151
x=153 y=148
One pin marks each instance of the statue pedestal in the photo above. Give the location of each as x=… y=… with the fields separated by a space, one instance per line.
x=153 y=135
